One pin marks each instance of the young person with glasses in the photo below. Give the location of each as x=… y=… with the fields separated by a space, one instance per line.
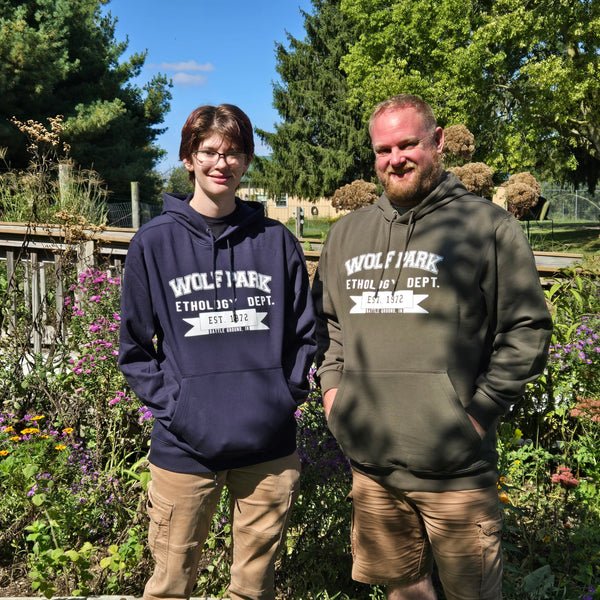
x=217 y=336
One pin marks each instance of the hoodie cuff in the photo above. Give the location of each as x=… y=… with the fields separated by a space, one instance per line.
x=483 y=409
x=330 y=379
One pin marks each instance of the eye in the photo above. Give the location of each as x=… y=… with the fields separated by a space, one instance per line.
x=409 y=145
x=207 y=153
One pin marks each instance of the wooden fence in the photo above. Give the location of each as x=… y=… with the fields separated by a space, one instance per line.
x=37 y=258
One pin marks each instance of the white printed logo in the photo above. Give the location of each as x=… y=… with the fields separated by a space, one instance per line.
x=401 y=301
x=226 y=322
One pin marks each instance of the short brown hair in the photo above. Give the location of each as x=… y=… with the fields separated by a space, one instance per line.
x=406 y=101
x=226 y=120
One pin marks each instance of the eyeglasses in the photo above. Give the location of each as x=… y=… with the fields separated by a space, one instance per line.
x=212 y=157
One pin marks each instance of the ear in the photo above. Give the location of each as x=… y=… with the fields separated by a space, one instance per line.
x=438 y=139
x=188 y=164
x=249 y=162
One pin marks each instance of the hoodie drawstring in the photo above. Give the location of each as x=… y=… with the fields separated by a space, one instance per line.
x=213 y=247
x=232 y=271
x=387 y=249
x=411 y=227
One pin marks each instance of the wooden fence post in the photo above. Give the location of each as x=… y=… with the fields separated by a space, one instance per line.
x=35 y=303
x=135 y=204
x=64 y=176
x=11 y=287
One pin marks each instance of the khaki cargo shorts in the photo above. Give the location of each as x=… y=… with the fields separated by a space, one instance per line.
x=397 y=535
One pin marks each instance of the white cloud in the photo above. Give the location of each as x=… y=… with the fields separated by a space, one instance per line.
x=190 y=65
x=186 y=79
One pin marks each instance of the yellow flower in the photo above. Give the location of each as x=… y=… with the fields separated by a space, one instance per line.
x=16 y=438
x=68 y=430
x=3 y=452
x=503 y=497
x=44 y=436
x=38 y=417
x=30 y=430
x=9 y=429
x=546 y=539
x=59 y=447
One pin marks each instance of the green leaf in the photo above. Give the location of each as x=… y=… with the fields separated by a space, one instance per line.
x=57 y=553
x=38 y=499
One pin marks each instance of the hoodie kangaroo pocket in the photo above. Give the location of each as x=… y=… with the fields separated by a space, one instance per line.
x=410 y=419
x=233 y=413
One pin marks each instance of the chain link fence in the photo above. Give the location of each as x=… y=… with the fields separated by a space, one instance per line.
x=119 y=213
x=572 y=205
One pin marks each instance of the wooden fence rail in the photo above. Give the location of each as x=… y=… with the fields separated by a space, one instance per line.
x=40 y=258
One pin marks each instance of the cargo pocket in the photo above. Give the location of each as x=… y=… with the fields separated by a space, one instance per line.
x=160 y=512
x=490 y=533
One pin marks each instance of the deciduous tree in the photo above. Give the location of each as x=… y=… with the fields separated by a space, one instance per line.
x=524 y=77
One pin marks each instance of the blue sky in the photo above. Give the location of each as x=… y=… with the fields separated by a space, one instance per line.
x=213 y=51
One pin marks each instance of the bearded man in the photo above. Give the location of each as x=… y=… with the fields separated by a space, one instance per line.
x=431 y=321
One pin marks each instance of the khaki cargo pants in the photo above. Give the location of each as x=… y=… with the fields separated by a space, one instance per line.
x=181 y=507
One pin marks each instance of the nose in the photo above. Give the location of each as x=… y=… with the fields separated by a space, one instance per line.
x=397 y=157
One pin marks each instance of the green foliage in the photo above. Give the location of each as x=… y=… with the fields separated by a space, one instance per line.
x=50 y=190
x=72 y=449
x=549 y=464
x=551 y=540
x=321 y=143
x=522 y=78
x=63 y=55
x=319 y=538
x=214 y=571
x=178 y=181
x=122 y=561
x=48 y=562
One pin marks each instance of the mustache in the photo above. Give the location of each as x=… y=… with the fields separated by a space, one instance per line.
x=401 y=170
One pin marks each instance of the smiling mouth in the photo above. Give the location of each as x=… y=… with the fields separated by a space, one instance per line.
x=401 y=174
x=220 y=177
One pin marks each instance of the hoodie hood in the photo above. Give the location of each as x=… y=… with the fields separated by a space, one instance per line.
x=245 y=215
x=177 y=206
x=450 y=188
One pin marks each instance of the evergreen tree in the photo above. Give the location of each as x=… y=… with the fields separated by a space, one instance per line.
x=321 y=143
x=60 y=57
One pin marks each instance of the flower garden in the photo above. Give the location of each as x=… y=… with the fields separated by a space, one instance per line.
x=73 y=469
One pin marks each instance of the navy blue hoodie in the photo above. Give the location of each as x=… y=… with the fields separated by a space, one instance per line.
x=217 y=336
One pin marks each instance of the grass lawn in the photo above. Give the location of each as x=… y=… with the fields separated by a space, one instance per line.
x=576 y=237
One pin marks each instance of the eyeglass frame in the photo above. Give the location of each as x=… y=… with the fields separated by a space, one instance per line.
x=242 y=155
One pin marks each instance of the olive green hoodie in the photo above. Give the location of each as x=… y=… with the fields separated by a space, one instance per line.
x=424 y=319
